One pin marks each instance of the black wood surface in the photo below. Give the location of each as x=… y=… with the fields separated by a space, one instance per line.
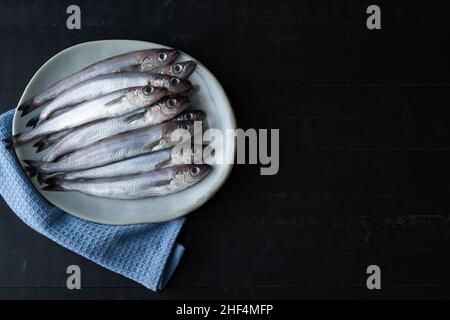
x=365 y=152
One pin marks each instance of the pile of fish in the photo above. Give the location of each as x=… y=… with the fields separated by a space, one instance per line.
x=108 y=130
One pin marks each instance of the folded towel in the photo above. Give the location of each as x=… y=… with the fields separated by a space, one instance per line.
x=145 y=253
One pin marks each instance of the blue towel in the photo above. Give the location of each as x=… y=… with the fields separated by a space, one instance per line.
x=145 y=253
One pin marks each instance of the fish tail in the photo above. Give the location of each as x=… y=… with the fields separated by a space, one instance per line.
x=54 y=184
x=53 y=179
x=49 y=179
x=41 y=144
x=33 y=122
x=28 y=106
x=11 y=140
x=32 y=167
x=42 y=177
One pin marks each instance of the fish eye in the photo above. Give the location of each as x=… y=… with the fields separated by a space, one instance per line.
x=162 y=56
x=174 y=81
x=194 y=171
x=185 y=126
x=189 y=116
x=171 y=103
x=177 y=68
x=147 y=90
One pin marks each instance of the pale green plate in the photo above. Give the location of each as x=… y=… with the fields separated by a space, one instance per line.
x=210 y=97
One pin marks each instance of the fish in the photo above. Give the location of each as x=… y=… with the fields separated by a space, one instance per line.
x=180 y=70
x=150 y=184
x=142 y=60
x=105 y=84
x=165 y=109
x=116 y=148
x=49 y=140
x=143 y=163
x=111 y=105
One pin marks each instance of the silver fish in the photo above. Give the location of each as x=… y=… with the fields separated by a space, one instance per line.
x=116 y=148
x=180 y=70
x=165 y=109
x=105 y=84
x=142 y=60
x=49 y=140
x=111 y=105
x=155 y=183
x=144 y=163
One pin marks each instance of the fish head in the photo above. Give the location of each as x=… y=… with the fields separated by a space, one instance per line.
x=182 y=69
x=157 y=58
x=194 y=115
x=177 y=85
x=145 y=96
x=189 y=174
x=173 y=84
x=169 y=106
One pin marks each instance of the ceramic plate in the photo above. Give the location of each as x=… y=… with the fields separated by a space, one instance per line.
x=210 y=97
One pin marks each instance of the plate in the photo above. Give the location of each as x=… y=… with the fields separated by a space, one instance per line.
x=210 y=98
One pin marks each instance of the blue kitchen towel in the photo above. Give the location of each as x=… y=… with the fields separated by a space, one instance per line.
x=145 y=253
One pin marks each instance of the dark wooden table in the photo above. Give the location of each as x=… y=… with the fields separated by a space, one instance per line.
x=364 y=119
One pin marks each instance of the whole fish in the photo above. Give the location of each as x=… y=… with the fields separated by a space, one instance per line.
x=49 y=140
x=144 y=163
x=179 y=69
x=142 y=60
x=105 y=84
x=111 y=105
x=85 y=135
x=154 y=183
x=116 y=148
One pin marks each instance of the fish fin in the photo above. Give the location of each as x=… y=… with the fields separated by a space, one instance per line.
x=162 y=183
x=32 y=167
x=28 y=106
x=152 y=145
x=62 y=157
x=33 y=122
x=162 y=164
x=54 y=185
x=114 y=101
x=134 y=117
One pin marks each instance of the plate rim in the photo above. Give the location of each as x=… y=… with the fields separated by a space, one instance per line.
x=202 y=200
